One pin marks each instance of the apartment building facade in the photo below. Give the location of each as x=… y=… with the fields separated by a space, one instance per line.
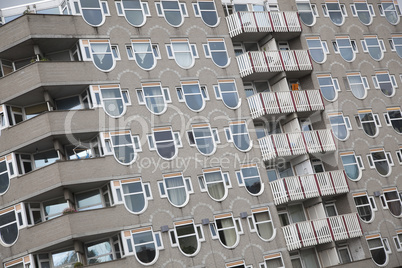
x=200 y=134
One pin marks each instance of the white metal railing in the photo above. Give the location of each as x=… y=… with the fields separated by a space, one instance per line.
x=309 y=186
x=33 y=7
x=285 y=102
x=296 y=143
x=262 y=21
x=273 y=61
x=311 y=233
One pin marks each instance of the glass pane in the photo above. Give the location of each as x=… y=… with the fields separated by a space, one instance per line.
x=63 y=258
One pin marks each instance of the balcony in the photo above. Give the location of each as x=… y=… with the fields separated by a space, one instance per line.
x=246 y=25
x=309 y=186
x=269 y=103
x=256 y=65
x=47 y=74
x=298 y=143
x=320 y=231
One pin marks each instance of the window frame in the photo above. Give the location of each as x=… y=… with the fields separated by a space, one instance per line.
x=352 y=47
x=229 y=135
x=208 y=52
x=108 y=146
x=118 y=194
x=129 y=245
x=98 y=100
x=152 y=143
x=385 y=201
x=375 y=120
x=323 y=47
x=144 y=9
x=187 y=185
x=358 y=163
x=389 y=120
x=142 y=98
x=346 y=124
x=88 y=55
x=370 y=10
x=241 y=179
x=197 y=232
x=382 y=11
x=10 y=169
x=252 y=223
x=236 y=225
x=341 y=10
x=387 y=158
x=371 y=204
x=334 y=84
x=219 y=93
x=394 y=45
x=313 y=10
x=391 y=80
x=19 y=221
x=366 y=47
x=198 y=12
x=377 y=236
x=192 y=50
x=154 y=52
x=102 y=5
x=214 y=137
x=364 y=83
x=398 y=240
x=161 y=11
x=202 y=92
x=225 y=180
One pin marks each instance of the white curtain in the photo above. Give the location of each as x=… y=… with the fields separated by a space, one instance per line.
x=178 y=194
x=228 y=236
x=100 y=50
x=182 y=54
x=215 y=184
x=141 y=50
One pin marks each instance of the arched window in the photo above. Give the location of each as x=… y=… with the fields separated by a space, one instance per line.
x=369 y=122
x=318 y=49
x=374 y=46
x=396 y=44
x=182 y=52
x=135 y=11
x=154 y=97
x=10 y=225
x=249 y=176
x=381 y=161
x=176 y=189
x=237 y=133
x=173 y=11
x=261 y=222
x=335 y=11
x=216 y=50
x=133 y=193
x=206 y=9
x=307 y=12
x=346 y=47
x=352 y=165
x=389 y=10
x=204 y=138
x=193 y=95
x=385 y=82
x=122 y=145
x=329 y=86
x=393 y=117
x=7 y=171
x=112 y=98
x=93 y=11
x=340 y=125
x=144 y=243
x=363 y=11
x=144 y=53
x=227 y=229
x=357 y=84
x=365 y=206
x=226 y=91
x=391 y=200
x=377 y=249
x=187 y=236
x=215 y=182
x=165 y=142
x=99 y=51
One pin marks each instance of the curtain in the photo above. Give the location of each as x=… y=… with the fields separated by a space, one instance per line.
x=228 y=236
x=142 y=50
x=215 y=184
x=182 y=54
x=154 y=99
x=176 y=190
x=265 y=229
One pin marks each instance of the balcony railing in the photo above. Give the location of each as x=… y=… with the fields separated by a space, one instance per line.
x=262 y=21
x=297 y=143
x=273 y=61
x=285 y=102
x=309 y=186
x=320 y=231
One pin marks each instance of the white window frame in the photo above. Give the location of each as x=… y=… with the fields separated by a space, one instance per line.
x=98 y=101
x=225 y=180
x=388 y=158
x=398 y=240
x=218 y=92
x=198 y=232
x=376 y=120
x=118 y=194
x=370 y=10
x=324 y=47
x=381 y=45
x=252 y=224
x=384 y=201
x=181 y=95
x=107 y=144
x=229 y=134
x=241 y=179
x=359 y=163
x=346 y=123
x=353 y=47
x=378 y=236
x=175 y=139
x=154 y=51
x=182 y=9
x=208 y=54
x=388 y=120
x=11 y=168
x=187 y=185
x=371 y=203
x=342 y=10
x=382 y=11
x=236 y=224
x=164 y=93
x=144 y=9
x=192 y=50
x=87 y=54
x=335 y=85
x=364 y=83
x=214 y=136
